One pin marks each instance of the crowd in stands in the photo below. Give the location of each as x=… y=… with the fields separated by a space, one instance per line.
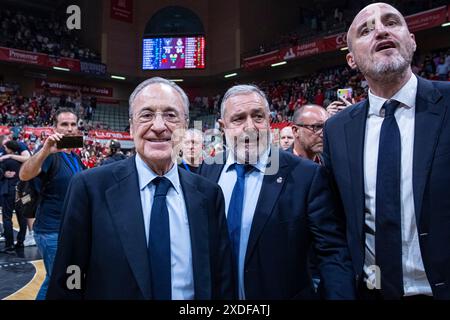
x=44 y=35
x=17 y=111
x=320 y=88
x=319 y=19
x=285 y=96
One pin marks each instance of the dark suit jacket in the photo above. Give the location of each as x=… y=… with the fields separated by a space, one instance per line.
x=103 y=232
x=343 y=155
x=295 y=208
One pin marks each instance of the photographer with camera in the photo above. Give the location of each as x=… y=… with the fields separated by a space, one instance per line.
x=54 y=165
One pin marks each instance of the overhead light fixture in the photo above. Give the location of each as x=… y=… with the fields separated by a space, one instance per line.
x=177 y=80
x=343 y=49
x=61 y=69
x=117 y=77
x=445 y=24
x=278 y=64
x=230 y=75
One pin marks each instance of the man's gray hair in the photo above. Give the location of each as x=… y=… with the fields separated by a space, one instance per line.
x=159 y=80
x=243 y=89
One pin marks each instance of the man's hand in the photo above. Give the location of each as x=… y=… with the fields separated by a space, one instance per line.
x=50 y=144
x=337 y=105
x=9 y=174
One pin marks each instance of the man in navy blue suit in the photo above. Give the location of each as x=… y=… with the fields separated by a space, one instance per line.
x=277 y=206
x=390 y=157
x=141 y=228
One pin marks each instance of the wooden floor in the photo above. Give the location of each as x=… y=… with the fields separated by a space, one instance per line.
x=29 y=290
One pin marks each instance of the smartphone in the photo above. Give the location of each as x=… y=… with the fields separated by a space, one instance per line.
x=345 y=93
x=69 y=142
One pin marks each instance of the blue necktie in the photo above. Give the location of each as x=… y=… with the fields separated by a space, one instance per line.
x=388 y=237
x=159 y=242
x=234 y=216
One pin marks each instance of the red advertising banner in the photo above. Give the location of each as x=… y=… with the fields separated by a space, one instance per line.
x=279 y=125
x=108 y=135
x=302 y=50
x=335 y=42
x=262 y=60
x=71 y=64
x=41 y=59
x=4 y=130
x=419 y=21
x=15 y=55
x=427 y=19
x=37 y=131
x=56 y=85
x=122 y=10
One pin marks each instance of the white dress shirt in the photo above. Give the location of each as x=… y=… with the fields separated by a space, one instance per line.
x=180 y=239
x=253 y=184
x=414 y=278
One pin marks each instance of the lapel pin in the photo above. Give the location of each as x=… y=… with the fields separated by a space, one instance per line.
x=279 y=180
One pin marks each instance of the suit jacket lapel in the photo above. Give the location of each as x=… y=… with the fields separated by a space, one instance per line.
x=430 y=110
x=268 y=196
x=129 y=221
x=198 y=228
x=355 y=130
x=212 y=167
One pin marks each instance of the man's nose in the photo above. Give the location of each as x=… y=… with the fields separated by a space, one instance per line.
x=249 y=124
x=159 y=123
x=380 y=30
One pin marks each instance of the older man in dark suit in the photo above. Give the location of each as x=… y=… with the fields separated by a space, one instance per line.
x=277 y=206
x=141 y=228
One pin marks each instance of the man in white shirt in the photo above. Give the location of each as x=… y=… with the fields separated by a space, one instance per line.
x=389 y=157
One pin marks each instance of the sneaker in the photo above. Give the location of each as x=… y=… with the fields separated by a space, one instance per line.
x=29 y=239
x=2 y=238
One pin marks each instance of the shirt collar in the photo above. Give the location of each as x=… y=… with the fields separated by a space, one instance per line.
x=260 y=165
x=146 y=175
x=406 y=96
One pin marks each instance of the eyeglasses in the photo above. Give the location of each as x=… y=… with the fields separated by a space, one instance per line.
x=316 y=128
x=150 y=116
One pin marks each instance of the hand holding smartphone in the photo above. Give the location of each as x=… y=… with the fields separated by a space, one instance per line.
x=70 y=142
x=346 y=93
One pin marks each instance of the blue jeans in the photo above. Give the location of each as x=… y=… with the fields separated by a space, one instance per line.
x=47 y=244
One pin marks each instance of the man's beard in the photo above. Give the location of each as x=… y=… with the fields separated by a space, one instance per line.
x=383 y=70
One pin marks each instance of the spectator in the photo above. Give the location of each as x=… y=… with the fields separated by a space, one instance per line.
x=113 y=152
x=308 y=126
x=63 y=164
x=286 y=138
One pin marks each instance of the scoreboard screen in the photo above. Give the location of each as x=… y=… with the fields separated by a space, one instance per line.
x=173 y=53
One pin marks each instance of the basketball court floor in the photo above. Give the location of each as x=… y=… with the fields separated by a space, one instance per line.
x=21 y=272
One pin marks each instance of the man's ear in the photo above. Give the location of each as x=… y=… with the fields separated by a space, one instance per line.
x=414 y=40
x=221 y=124
x=351 y=60
x=131 y=127
x=295 y=131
